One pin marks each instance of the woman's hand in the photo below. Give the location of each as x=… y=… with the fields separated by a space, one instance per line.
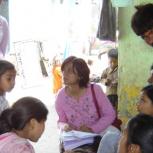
x=85 y=128
x=67 y=128
x=123 y=144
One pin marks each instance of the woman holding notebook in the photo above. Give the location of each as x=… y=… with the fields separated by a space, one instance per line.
x=75 y=103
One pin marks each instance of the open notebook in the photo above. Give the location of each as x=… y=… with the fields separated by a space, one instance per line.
x=74 y=139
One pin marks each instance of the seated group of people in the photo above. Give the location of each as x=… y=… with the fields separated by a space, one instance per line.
x=77 y=109
x=80 y=106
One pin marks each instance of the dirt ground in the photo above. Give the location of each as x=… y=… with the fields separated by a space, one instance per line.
x=49 y=142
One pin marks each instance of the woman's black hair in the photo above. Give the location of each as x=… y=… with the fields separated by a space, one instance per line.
x=148 y=91
x=142 y=20
x=21 y=113
x=79 y=66
x=5 y=66
x=140 y=132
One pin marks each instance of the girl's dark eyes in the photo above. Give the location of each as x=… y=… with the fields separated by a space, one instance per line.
x=9 y=79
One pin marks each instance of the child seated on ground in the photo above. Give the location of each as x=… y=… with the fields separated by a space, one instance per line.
x=138 y=136
x=145 y=105
x=24 y=121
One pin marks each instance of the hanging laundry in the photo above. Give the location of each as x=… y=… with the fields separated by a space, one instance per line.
x=107 y=24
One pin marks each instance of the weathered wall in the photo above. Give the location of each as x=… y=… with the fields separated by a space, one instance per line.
x=135 y=59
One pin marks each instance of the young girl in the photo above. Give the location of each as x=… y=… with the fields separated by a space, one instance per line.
x=138 y=136
x=24 y=121
x=7 y=81
x=144 y=106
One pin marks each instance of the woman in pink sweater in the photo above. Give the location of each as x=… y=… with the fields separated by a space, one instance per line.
x=75 y=103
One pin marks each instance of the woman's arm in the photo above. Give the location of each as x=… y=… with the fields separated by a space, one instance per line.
x=62 y=121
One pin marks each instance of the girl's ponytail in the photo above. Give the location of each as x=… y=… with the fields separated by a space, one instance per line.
x=6 y=121
x=21 y=112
